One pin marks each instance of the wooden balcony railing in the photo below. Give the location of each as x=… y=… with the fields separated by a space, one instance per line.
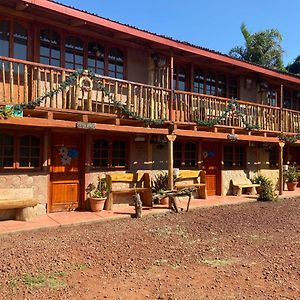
x=190 y=107
x=23 y=81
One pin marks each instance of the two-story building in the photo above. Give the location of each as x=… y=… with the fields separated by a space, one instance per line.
x=176 y=98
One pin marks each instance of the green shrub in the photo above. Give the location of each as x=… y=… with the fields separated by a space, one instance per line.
x=160 y=183
x=266 y=191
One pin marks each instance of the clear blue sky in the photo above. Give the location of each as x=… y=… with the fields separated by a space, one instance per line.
x=213 y=24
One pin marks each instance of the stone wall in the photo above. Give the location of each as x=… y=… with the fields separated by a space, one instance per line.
x=37 y=181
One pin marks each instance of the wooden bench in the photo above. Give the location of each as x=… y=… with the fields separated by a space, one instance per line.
x=239 y=184
x=198 y=181
x=20 y=199
x=137 y=182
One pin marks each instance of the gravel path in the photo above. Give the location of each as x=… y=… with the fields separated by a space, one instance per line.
x=247 y=251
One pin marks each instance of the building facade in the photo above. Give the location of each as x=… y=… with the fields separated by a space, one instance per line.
x=155 y=103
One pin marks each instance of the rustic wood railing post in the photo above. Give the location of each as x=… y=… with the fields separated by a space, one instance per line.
x=11 y=82
x=172 y=93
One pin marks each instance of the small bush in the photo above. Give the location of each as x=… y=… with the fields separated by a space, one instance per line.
x=266 y=191
x=160 y=183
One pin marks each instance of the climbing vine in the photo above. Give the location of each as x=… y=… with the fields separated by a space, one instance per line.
x=289 y=138
x=232 y=107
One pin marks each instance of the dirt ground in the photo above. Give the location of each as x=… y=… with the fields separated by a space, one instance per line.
x=247 y=251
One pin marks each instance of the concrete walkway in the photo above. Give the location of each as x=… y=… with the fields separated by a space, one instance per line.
x=60 y=219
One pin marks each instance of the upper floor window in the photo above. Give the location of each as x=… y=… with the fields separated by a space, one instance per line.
x=96 y=58
x=13 y=40
x=214 y=84
x=179 y=78
x=74 y=53
x=50 y=47
x=199 y=77
x=115 y=63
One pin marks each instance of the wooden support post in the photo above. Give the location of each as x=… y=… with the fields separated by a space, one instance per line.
x=171 y=138
x=171 y=100
x=281 y=183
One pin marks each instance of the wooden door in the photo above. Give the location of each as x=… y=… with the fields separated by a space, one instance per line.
x=66 y=172
x=211 y=165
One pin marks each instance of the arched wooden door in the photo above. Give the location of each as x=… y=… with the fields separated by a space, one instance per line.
x=66 y=172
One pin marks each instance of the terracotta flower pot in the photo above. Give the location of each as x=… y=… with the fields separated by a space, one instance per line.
x=292 y=185
x=164 y=201
x=97 y=204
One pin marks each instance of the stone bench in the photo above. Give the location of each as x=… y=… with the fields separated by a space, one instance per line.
x=20 y=199
x=241 y=183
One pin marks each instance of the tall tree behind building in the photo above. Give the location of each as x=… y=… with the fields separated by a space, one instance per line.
x=262 y=48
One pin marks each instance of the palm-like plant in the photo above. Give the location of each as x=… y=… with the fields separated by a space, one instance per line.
x=262 y=48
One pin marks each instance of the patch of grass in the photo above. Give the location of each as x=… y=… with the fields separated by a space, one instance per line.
x=257 y=237
x=13 y=284
x=218 y=262
x=81 y=267
x=53 y=281
x=168 y=230
x=160 y=262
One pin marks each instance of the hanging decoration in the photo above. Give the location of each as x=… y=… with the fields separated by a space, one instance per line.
x=66 y=155
x=87 y=82
x=289 y=138
x=233 y=107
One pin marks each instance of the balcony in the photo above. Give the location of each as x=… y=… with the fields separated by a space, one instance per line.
x=23 y=81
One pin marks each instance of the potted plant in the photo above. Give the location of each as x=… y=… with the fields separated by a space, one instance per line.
x=97 y=195
x=258 y=179
x=160 y=185
x=291 y=176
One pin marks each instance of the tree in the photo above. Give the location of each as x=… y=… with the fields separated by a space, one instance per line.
x=294 y=67
x=262 y=48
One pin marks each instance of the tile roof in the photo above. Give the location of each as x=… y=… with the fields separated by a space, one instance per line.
x=174 y=40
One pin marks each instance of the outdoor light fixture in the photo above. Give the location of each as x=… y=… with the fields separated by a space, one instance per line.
x=232 y=137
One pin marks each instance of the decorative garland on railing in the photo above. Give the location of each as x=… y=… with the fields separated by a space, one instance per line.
x=232 y=107
x=289 y=138
x=7 y=112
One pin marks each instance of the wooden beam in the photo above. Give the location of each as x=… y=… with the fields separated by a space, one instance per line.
x=281 y=183
x=171 y=138
x=20 y=6
x=78 y=23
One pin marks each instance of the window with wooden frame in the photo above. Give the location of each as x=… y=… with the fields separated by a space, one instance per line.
x=50 y=53
x=291 y=99
x=273 y=158
x=115 y=63
x=234 y=156
x=13 y=40
x=215 y=84
x=185 y=154
x=20 y=151
x=74 y=53
x=179 y=78
x=109 y=153
x=96 y=57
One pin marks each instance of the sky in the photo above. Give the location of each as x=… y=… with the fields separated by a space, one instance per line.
x=213 y=24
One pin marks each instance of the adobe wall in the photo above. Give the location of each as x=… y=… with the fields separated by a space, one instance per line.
x=248 y=89
x=257 y=163
x=39 y=183
x=137 y=65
